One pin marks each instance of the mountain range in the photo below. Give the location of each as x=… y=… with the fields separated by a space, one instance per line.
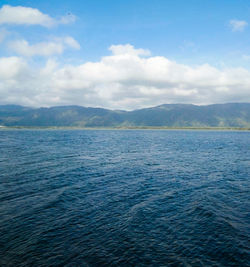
x=167 y=115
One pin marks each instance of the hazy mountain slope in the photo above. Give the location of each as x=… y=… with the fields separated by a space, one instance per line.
x=172 y=115
x=179 y=115
x=59 y=116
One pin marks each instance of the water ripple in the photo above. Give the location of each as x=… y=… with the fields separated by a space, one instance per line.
x=124 y=198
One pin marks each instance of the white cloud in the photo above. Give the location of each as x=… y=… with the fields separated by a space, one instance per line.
x=11 y=67
x=22 y=47
x=238 y=25
x=13 y=72
x=128 y=50
x=71 y=42
x=30 y=16
x=122 y=80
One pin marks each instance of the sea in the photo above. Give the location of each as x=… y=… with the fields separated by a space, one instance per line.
x=124 y=198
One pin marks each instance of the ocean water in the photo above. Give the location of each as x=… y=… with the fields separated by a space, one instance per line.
x=124 y=198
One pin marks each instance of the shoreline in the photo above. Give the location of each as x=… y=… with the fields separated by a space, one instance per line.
x=4 y=128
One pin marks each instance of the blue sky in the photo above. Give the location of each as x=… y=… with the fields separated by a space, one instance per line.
x=193 y=34
x=192 y=31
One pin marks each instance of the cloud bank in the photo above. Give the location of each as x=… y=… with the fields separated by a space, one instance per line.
x=127 y=79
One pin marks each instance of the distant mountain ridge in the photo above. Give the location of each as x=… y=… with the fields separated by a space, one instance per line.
x=166 y=115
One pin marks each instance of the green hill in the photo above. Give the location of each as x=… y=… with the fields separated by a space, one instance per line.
x=167 y=115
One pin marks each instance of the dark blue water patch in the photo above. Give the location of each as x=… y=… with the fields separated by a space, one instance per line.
x=124 y=198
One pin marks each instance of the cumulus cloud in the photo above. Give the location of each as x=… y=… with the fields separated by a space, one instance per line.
x=22 y=47
x=128 y=49
x=14 y=71
x=11 y=67
x=30 y=16
x=238 y=25
x=126 y=79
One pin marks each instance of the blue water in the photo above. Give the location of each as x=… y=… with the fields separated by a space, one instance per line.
x=124 y=198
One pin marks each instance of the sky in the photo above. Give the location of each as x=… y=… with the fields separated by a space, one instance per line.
x=120 y=54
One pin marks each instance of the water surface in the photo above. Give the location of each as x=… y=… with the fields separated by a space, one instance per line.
x=124 y=198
